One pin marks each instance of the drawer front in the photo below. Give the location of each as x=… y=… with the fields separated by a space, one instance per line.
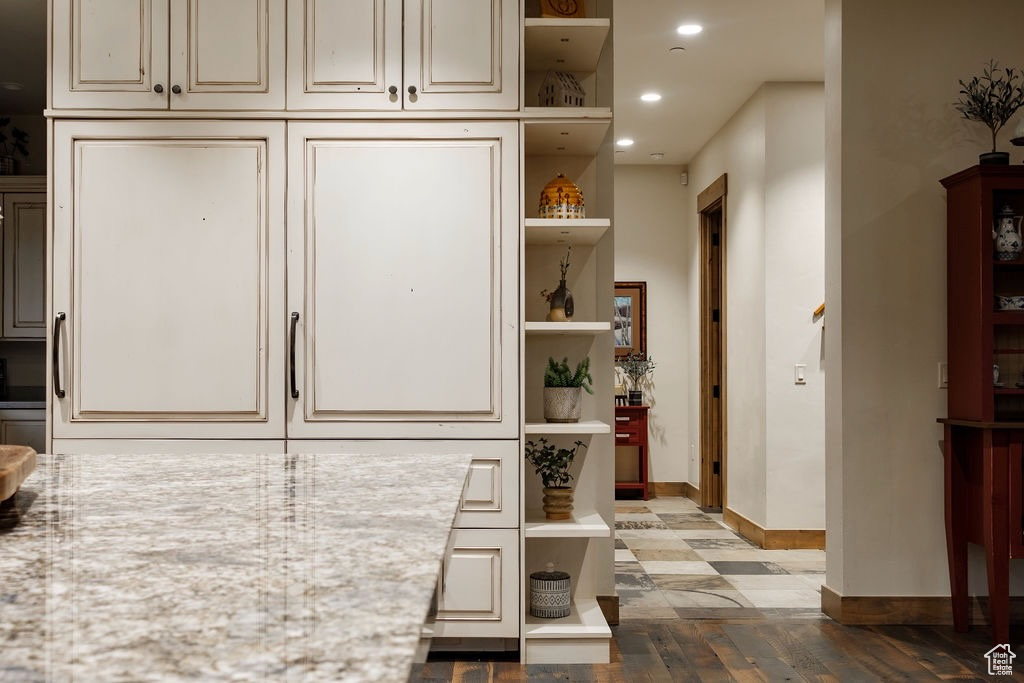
x=490 y=498
x=478 y=589
x=626 y=438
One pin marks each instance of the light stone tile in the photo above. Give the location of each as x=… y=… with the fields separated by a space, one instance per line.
x=697 y=598
x=785 y=598
x=660 y=567
x=656 y=544
x=745 y=555
x=798 y=556
x=703 y=533
x=624 y=556
x=801 y=566
x=627 y=534
x=815 y=581
x=637 y=517
x=767 y=582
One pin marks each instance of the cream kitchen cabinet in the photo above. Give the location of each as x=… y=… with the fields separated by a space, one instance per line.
x=403 y=262
x=23 y=207
x=168 y=279
x=24 y=428
x=168 y=54
x=452 y=55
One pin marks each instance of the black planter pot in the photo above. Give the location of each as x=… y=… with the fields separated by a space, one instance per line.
x=994 y=158
x=636 y=398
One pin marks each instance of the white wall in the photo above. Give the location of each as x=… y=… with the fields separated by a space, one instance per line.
x=773 y=152
x=652 y=215
x=893 y=78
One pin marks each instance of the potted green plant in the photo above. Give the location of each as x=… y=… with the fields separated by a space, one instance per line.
x=992 y=99
x=562 y=389
x=12 y=142
x=637 y=367
x=552 y=464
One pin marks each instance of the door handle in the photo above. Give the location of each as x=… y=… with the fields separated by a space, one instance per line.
x=291 y=355
x=56 y=354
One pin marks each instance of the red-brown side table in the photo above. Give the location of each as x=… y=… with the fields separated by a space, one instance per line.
x=631 y=430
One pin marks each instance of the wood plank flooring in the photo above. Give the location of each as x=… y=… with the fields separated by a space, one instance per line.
x=752 y=649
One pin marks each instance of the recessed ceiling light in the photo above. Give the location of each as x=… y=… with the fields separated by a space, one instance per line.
x=624 y=142
x=689 y=29
x=650 y=97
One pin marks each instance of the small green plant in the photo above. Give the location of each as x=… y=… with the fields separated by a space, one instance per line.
x=991 y=98
x=15 y=142
x=559 y=374
x=636 y=366
x=551 y=463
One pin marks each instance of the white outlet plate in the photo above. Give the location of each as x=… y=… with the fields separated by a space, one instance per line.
x=943 y=375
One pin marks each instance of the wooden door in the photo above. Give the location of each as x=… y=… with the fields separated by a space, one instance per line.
x=711 y=207
x=24 y=243
x=461 y=54
x=403 y=271
x=110 y=55
x=345 y=55
x=168 y=245
x=227 y=54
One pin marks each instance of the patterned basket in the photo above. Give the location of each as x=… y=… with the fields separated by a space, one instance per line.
x=549 y=594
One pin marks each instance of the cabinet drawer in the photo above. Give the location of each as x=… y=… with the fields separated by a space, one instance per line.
x=625 y=437
x=490 y=498
x=477 y=592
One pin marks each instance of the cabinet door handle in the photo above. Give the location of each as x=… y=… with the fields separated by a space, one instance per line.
x=56 y=354
x=412 y=89
x=393 y=90
x=158 y=88
x=176 y=89
x=291 y=354
x=621 y=436
x=622 y=419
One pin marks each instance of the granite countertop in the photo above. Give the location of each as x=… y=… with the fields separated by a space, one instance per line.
x=223 y=567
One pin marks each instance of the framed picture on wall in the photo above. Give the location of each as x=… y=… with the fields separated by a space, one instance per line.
x=630 y=320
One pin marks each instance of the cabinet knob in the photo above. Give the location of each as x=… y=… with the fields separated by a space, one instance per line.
x=412 y=89
x=176 y=89
x=158 y=88
x=393 y=90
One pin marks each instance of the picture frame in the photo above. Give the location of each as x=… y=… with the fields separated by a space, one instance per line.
x=562 y=8
x=629 y=319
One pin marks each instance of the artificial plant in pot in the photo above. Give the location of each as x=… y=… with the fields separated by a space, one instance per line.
x=563 y=388
x=12 y=142
x=552 y=464
x=636 y=367
x=992 y=99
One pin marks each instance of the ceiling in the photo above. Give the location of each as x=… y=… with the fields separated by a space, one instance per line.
x=744 y=43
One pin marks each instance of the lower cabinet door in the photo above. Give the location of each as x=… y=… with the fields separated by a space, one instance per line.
x=478 y=589
x=24 y=433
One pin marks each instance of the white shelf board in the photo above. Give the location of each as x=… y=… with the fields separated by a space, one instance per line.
x=581 y=427
x=585 y=620
x=583 y=524
x=571 y=135
x=579 y=231
x=581 y=329
x=564 y=44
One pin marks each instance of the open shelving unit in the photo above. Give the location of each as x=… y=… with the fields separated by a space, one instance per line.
x=576 y=142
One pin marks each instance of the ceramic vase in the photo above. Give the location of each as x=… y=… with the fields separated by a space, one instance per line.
x=562 y=404
x=1008 y=240
x=557 y=502
x=562 y=307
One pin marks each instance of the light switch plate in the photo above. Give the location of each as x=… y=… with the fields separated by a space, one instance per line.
x=800 y=373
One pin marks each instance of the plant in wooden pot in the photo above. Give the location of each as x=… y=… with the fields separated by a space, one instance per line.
x=563 y=388
x=637 y=367
x=552 y=464
x=992 y=99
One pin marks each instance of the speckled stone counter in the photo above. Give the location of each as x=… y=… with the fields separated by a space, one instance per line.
x=222 y=568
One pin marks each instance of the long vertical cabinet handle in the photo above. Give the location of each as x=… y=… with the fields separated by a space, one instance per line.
x=291 y=354
x=56 y=354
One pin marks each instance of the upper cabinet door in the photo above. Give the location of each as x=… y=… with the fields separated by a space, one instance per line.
x=167 y=244
x=403 y=271
x=110 y=54
x=24 y=265
x=227 y=54
x=461 y=54
x=345 y=55
x=160 y=54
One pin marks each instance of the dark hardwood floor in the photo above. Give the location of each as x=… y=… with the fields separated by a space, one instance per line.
x=754 y=650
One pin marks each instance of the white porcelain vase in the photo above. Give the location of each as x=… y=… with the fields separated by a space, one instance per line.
x=562 y=404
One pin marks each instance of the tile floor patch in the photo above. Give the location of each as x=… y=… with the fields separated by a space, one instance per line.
x=638 y=581
x=659 y=567
x=682 y=582
x=620 y=544
x=639 y=525
x=666 y=555
x=732 y=567
x=720 y=544
x=700 y=598
x=626 y=555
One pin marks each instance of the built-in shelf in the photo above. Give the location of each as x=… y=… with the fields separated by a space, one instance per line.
x=581 y=427
x=585 y=620
x=577 y=231
x=583 y=524
x=578 y=329
x=564 y=44
x=565 y=131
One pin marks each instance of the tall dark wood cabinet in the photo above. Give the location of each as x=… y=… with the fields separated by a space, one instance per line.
x=984 y=427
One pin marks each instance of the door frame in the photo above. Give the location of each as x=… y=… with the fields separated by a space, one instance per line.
x=711 y=201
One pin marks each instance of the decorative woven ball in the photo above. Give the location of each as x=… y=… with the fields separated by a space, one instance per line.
x=560 y=198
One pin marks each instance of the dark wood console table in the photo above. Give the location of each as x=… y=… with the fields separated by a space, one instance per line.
x=631 y=430
x=983 y=462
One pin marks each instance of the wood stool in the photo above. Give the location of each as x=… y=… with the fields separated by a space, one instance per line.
x=16 y=463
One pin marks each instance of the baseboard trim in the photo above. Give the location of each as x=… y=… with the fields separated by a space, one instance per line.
x=774 y=539
x=675 y=488
x=921 y=611
x=609 y=605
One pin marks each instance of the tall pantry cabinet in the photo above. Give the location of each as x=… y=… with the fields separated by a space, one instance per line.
x=310 y=237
